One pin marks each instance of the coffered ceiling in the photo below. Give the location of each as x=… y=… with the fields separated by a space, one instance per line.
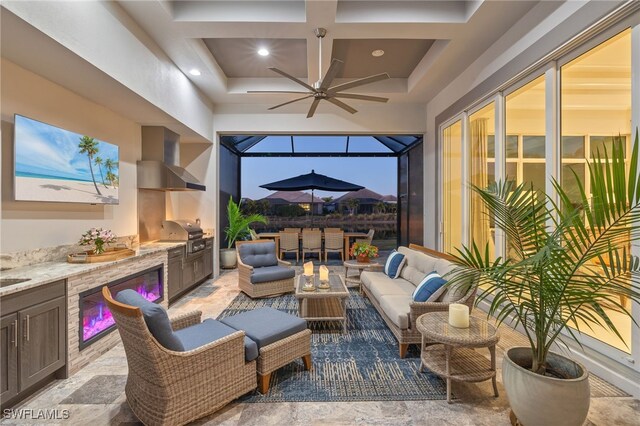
x=426 y=43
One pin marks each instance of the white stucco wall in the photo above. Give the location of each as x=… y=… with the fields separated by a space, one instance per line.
x=105 y=36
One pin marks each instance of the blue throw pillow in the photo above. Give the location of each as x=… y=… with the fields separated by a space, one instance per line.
x=429 y=285
x=394 y=264
x=156 y=318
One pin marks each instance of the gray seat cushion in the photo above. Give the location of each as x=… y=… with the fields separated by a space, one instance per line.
x=258 y=255
x=266 y=325
x=209 y=331
x=156 y=318
x=271 y=273
x=397 y=309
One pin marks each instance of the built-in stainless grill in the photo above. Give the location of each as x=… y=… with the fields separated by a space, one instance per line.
x=184 y=230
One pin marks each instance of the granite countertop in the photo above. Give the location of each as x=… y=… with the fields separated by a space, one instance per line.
x=47 y=272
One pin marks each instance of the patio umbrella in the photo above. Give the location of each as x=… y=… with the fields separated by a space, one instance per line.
x=312 y=181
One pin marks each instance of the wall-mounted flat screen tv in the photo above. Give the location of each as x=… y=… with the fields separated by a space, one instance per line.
x=53 y=164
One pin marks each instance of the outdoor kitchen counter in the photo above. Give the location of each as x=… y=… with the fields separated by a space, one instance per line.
x=48 y=272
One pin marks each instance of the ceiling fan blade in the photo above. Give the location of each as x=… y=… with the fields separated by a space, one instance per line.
x=290 y=102
x=312 y=110
x=290 y=77
x=278 y=91
x=359 y=82
x=342 y=105
x=332 y=72
x=361 y=97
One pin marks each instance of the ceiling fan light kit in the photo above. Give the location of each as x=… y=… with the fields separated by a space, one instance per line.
x=322 y=89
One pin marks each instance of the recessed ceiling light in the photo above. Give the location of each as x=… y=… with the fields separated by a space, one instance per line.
x=195 y=71
x=377 y=53
x=263 y=52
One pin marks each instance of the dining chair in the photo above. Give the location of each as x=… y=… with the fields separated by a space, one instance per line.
x=292 y=230
x=368 y=239
x=333 y=243
x=289 y=243
x=311 y=243
x=332 y=229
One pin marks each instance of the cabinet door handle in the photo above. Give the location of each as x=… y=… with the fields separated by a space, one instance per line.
x=15 y=333
x=26 y=327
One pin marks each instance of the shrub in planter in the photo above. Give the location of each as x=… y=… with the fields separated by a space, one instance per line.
x=568 y=267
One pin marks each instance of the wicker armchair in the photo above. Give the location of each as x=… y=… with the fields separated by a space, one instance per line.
x=248 y=273
x=289 y=243
x=173 y=388
x=333 y=243
x=311 y=243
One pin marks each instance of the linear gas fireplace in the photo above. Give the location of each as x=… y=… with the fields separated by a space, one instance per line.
x=95 y=317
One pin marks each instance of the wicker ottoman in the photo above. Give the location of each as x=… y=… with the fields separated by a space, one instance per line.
x=281 y=338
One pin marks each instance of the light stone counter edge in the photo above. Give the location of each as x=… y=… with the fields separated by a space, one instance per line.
x=48 y=272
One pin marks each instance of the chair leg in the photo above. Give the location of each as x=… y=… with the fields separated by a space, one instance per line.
x=403 y=349
x=307 y=362
x=263 y=382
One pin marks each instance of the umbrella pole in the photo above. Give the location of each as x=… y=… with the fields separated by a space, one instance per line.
x=312 y=208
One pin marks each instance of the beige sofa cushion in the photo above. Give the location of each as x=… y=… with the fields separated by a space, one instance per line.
x=396 y=307
x=379 y=284
x=417 y=266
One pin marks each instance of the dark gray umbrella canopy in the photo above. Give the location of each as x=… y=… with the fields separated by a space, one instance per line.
x=312 y=181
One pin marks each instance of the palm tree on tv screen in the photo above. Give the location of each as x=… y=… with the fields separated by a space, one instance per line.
x=99 y=162
x=89 y=146
x=109 y=164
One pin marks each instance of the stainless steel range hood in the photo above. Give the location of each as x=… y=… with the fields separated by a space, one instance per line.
x=159 y=170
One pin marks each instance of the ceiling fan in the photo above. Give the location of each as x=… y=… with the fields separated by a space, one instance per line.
x=322 y=89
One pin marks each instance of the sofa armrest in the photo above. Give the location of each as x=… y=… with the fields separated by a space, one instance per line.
x=186 y=320
x=376 y=267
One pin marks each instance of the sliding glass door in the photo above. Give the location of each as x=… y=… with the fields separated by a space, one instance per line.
x=452 y=190
x=596 y=111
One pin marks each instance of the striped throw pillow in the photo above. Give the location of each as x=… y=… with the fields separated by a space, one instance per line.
x=429 y=285
x=394 y=264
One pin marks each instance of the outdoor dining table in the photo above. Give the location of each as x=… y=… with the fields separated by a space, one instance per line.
x=347 y=238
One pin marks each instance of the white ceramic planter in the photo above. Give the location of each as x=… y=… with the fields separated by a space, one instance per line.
x=228 y=258
x=541 y=401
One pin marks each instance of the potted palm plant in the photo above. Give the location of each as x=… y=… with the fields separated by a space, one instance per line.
x=568 y=267
x=238 y=228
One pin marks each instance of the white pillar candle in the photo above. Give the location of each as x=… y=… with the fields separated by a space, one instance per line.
x=324 y=273
x=308 y=268
x=459 y=315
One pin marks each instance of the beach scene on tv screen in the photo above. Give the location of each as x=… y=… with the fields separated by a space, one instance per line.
x=53 y=164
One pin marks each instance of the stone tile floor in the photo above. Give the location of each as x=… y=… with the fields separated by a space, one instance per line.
x=95 y=395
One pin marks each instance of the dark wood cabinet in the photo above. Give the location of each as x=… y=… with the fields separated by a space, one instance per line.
x=42 y=343
x=9 y=357
x=208 y=258
x=186 y=271
x=174 y=272
x=32 y=340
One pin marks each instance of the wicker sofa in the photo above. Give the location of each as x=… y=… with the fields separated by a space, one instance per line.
x=392 y=298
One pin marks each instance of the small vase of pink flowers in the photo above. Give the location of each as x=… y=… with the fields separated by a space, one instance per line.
x=98 y=238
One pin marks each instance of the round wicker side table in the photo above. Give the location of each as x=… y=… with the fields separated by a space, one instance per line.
x=359 y=267
x=453 y=356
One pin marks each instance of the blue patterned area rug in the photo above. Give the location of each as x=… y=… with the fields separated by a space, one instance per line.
x=360 y=365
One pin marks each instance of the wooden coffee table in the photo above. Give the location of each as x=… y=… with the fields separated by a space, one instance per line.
x=453 y=356
x=323 y=305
